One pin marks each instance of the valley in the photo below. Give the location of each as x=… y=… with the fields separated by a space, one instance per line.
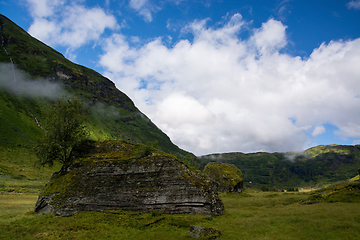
x=34 y=76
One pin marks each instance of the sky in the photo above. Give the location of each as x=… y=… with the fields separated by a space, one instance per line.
x=215 y=75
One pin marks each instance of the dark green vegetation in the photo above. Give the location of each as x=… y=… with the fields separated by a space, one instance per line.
x=228 y=177
x=249 y=215
x=64 y=128
x=113 y=114
x=316 y=166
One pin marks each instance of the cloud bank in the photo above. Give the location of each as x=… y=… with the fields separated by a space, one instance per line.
x=213 y=91
x=221 y=93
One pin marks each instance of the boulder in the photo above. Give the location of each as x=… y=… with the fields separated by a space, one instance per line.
x=203 y=232
x=227 y=176
x=120 y=175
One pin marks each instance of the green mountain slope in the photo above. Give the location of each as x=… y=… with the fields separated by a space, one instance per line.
x=318 y=165
x=114 y=114
x=32 y=77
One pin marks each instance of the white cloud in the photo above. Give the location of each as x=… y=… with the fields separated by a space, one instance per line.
x=220 y=93
x=44 y=30
x=318 y=130
x=270 y=37
x=58 y=23
x=43 y=8
x=177 y=109
x=144 y=8
x=354 y=4
x=138 y=4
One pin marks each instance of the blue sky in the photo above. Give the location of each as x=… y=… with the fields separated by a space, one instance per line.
x=218 y=76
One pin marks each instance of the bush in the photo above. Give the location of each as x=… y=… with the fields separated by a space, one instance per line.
x=156 y=212
x=146 y=150
x=267 y=189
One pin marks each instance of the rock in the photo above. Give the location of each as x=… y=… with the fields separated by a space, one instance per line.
x=203 y=232
x=228 y=176
x=108 y=176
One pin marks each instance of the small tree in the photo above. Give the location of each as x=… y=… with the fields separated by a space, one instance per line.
x=64 y=128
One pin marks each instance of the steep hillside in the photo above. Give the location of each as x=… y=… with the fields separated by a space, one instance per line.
x=317 y=165
x=114 y=115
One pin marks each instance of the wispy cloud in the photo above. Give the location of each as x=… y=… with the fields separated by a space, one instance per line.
x=283 y=9
x=144 y=8
x=318 y=130
x=355 y=4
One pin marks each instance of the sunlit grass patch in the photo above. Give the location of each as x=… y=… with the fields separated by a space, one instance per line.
x=281 y=216
x=106 y=225
x=16 y=206
x=341 y=192
x=19 y=173
x=356 y=178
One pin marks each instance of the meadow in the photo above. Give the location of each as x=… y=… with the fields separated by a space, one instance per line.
x=248 y=215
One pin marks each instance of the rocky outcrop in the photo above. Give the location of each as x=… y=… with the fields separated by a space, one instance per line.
x=120 y=175
x=227 y=176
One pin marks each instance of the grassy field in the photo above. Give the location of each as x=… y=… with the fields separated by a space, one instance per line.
x=249 y=215
x=19 y=173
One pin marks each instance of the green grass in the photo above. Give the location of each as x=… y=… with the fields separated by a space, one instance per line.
x=16 y=206
x=356 y=178
x=334 y=148
x=340 y=192
x=19 y=173
x=280 y=216
x=249 y=215
x=17 y=120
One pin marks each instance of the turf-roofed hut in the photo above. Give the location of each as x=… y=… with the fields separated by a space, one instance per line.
x=114 y=175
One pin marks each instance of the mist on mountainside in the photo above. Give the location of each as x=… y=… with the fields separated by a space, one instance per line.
x=19 y=83
x=291 y=156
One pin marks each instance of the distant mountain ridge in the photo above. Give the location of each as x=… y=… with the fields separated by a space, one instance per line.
x=318 y=165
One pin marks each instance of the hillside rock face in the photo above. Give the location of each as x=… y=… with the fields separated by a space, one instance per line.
x=228 y=176
x=109 y=177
